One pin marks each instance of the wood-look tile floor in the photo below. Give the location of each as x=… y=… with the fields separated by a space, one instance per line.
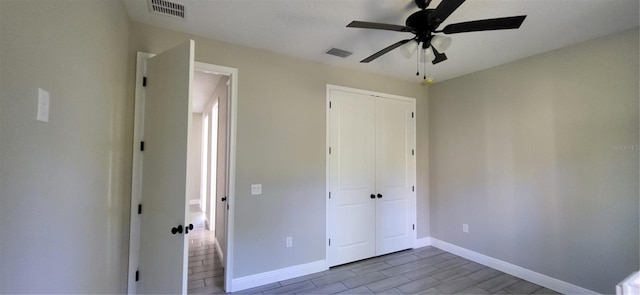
x=205 y=268
x=427 y=270
x=206 y=274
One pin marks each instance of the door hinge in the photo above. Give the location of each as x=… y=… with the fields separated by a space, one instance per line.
x=329 y=104
x=329 y=195
x=227 y=207
x=139 y=208
x=413 y=152
x=414 y=226
x=144 y=81
x=142 y=146
x=329 y=242
x=413 y=188
x=137 y=275
x=411 y=114
x=329 y=150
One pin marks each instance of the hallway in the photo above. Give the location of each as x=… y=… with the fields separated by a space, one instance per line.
x=206 y=274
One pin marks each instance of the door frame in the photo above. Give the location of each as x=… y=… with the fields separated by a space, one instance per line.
x=232 y=96
x=329 y=213
x=136 y=175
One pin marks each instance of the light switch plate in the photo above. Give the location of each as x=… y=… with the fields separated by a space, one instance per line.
x=256 y=189
x=43 y=106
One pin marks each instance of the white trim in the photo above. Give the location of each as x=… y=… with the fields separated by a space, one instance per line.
x=277 y=275
x=630 y=285
x=231 y=181
x=327 y=175
x=216 y=244
x=194 y=202
x=422 y=242
x=512 y=269
x=231 y=154
x=136 y=173
x=368 y=92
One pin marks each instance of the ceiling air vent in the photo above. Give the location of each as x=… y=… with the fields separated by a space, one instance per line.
x=339 y=52
x=168 y=8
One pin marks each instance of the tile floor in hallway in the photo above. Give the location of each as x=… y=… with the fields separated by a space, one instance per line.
x=427 y=270
x=205 y=268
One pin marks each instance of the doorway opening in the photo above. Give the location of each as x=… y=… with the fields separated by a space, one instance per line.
x=208 y=167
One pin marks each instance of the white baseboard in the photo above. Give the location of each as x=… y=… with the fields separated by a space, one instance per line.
x=277 y=275
x=216 y=244
x=194 y=202
x=423 y=242
x=512 y=269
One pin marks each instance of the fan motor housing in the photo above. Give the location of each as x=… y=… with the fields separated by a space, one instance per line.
x=420 y=24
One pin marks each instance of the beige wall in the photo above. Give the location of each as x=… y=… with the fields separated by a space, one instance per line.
x=65 y=185
x=280 y=144
x=529 y=154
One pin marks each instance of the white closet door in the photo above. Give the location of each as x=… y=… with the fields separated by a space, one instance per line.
x=351 y=217
x=395 y=175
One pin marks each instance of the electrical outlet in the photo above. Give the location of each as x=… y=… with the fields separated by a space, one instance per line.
x=43 y=106
x=289 y=242
x=465 y=228
x=256 y=189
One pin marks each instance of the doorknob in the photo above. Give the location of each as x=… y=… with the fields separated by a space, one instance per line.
x=373 y=196
x=379 y=196
x=176 y=229
x=187 y=228
x=223 y=199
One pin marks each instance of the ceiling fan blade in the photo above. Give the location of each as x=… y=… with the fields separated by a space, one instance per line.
x=384 y=51
x=377 y=26
x=504 y=23
x=444 y=10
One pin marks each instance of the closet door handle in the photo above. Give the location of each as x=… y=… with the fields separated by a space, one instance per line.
x=379 y=196
x=373 y=196
x=176 y=229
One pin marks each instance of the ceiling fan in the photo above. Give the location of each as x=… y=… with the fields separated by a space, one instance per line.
x=424 y=24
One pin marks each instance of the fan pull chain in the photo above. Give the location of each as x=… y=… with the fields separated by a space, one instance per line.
x=418 y=62
x=425 y=68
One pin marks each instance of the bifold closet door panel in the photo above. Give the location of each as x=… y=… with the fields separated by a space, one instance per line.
x=395 y=175
x=352 y=211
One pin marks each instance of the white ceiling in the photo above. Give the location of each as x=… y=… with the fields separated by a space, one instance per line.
x=308 y=28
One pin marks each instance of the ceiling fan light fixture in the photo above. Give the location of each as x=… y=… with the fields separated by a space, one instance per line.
x=427 y=55
x=440 y=43
x=408 y=49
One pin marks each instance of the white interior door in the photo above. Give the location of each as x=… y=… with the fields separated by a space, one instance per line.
x=395 y=175
x=351 y=217
x=167 y=111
